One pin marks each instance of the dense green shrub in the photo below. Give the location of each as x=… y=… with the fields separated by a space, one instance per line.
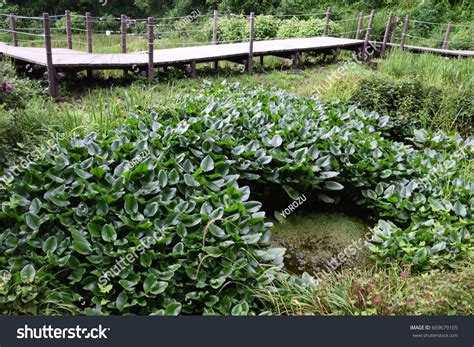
x=77 y=22
x=15 y=92
x=233 y=29
x=295 y=27
x=236 y=28
x=424 y=15
x=413 y=184
x=183 y=179
x=399 y=98
x=266 y=27
x=414 y=101
x=91 y=203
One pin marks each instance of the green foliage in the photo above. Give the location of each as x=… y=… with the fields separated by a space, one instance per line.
x=29 y=292
x=76 y=22
x=233 y=29
x=462 y=39
x=193 y=236
x=398 y=181
x=91 y=201
x=412 y=100
x=397 y=98
x=266 y=27
x=426 y=13
x=15 y=124
x=295 y=27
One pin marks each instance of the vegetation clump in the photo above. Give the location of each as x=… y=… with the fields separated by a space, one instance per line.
x=89 y=203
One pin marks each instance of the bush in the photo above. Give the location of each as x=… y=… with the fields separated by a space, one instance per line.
x=76 y=22
x=233 y=29
x=192 y=234
x=295 y=27
x=427 y=13
x=266 y=27
x=8 y=97
x=416 y=102
x=398 y=98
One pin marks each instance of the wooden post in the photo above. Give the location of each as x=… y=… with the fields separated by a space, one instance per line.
x=394 y=30
x=404 y=32
x=446 y=36
x=52 y=83
x=89 y=38
x=385 y=35
x=68 y=29
x=251 y=38
x=326 y=23
x=123 y=32
x=335 y=55
x=369 y=29
x=215 y=64
x=150 y=27
x=360 y=21
x=13 y=29
x=89 y=32
x=295 y=60
x=192 y=68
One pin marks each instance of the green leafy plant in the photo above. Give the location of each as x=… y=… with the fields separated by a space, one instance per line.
x=233 y=29
x=85 y=207
x=295 y=27
x=183 y=179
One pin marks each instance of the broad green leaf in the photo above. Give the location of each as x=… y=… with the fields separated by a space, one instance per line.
x=50 y=244
x=207 y=164
x=28 y=273
x=108 y=233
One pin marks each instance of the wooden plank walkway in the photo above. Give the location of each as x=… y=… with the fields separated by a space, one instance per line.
x=441 y=51
x=66 y=58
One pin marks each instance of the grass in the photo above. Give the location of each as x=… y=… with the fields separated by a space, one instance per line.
x=429 y=68
x=381 y=290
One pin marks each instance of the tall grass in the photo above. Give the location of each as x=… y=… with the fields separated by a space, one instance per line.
x=378 y=291
x=430 y=68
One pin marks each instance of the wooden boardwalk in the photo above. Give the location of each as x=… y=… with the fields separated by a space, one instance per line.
x=440 y=51
x=66 y=58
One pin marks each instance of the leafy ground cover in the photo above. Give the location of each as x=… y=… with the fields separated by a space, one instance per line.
x=69 y=216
